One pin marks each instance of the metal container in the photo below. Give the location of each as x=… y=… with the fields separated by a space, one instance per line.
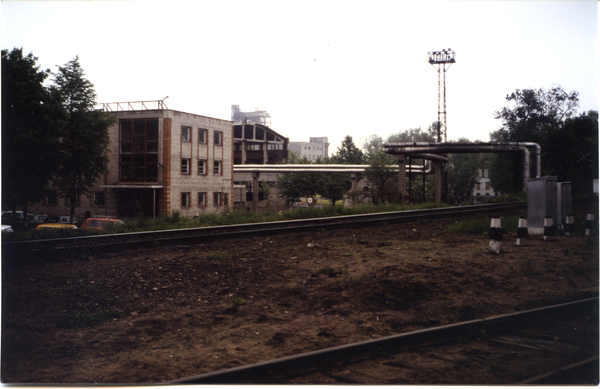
x=541 y=202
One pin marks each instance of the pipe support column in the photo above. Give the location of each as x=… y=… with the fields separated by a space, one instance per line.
x=402 y=178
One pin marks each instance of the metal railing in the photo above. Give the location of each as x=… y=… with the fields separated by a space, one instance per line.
x=134 y=106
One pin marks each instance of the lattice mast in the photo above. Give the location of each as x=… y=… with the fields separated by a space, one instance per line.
x=441 y=61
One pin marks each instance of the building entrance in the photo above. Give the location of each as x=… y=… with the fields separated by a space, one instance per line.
x=137 y=202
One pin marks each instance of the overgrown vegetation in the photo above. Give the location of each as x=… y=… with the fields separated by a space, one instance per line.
x=176 y=221
x=481 y=225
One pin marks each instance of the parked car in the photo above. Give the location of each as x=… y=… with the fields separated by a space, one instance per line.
x=100 y=222
x=62 y=220
x=7 y=217
x=6 y=228
x=55 y=225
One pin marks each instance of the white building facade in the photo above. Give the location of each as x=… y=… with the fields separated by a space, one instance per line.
x=315 y=148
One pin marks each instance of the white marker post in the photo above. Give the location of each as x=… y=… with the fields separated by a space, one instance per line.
x=569 y=221
x=522 y=232
x=549 y=228
x=496 y=235
x=590 y=226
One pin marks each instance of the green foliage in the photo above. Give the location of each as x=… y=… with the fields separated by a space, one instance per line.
x=348 y=153
x=81 y=320
x=569 y=142
x=29 y=137
x=83 y=132
x=462 y=173
x=481 y=225
x=380 y=174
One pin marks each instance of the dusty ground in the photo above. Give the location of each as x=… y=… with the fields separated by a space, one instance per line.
x=185 y=310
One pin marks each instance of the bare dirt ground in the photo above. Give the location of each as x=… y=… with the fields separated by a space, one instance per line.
x=180 y=311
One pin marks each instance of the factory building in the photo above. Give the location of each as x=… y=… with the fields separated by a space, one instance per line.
x=315 y=148
x=160 y=161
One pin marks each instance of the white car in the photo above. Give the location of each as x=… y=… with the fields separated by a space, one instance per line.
x=4 y=228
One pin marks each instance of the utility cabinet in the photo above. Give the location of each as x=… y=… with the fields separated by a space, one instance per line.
x=563 y=200
x=541 y=202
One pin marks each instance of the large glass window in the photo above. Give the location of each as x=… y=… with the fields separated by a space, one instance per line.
x=138 y=151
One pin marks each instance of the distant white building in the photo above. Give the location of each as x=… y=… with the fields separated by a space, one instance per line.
x=315 y=148
x=483 y=185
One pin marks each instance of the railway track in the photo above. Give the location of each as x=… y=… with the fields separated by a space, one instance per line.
x=551 y=345
x=91 y=245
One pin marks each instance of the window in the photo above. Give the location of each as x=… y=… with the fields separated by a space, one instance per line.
x=217 y=198
x=485 y=173
x=68 y=201
x=51 y=197
x=186 y=134
x=185 y=166
x=218 y=138
x=479 y=173
x=138 y=150
x=477 y=186
x=487 y=185
x=202 y=167
x=185 y=199
x=99 y=200
x=202 y=199
x=217 y=168
x=202 y=135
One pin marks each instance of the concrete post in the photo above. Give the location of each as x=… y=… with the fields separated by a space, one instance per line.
x=244 y=152
x=402 y=178
x=255 y=177
x=354 y=180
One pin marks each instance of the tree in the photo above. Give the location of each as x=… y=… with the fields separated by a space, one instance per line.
x=570 y=152
x=546 y=117
x=380 y=175
x=348 y=153
x=462 y=169
x=83 y=132
x=29 y=136
x=532 y=112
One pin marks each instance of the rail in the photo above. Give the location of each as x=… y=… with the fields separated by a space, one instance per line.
x=306 y=363
x=195 y=234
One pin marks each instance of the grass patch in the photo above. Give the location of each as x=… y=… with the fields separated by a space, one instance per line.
x=218 y=256
x=481 y=225
x=237 y=301
x=80 y=320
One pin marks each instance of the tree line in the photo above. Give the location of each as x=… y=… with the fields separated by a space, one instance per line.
x=50 y=133
x=568 y=140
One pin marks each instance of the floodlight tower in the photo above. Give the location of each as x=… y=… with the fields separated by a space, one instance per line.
x=441 y=61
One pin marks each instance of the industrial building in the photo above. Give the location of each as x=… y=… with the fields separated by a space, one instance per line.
x=314 y=149
x=160 y=161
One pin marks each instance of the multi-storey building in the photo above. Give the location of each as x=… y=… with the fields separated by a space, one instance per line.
x=160 y=161
x=483 y=186
x=315 y=148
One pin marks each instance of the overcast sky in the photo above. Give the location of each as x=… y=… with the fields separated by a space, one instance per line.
x=320 y=68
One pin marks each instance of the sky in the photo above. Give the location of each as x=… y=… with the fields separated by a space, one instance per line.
x=319 y=68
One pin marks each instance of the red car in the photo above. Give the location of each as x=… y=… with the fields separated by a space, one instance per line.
x=100 y=222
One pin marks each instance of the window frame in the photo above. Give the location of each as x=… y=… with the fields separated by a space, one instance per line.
x=202 y=203
x=96 y=193
x=187 y=196
x=187 y=163
x=202 y=163
x=217 y=199
x=217 y=168
x=218 y=138
x=188 y=131
x=204 y=139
